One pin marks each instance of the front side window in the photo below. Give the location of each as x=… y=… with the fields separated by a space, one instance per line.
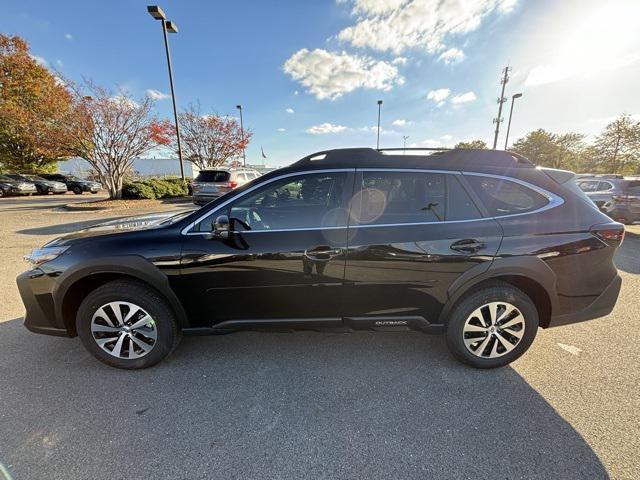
x=504 y=197
x=304 y=201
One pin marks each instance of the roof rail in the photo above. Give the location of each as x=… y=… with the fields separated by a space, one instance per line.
x=427 y=149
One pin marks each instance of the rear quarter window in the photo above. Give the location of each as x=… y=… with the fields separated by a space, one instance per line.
x=505 y=197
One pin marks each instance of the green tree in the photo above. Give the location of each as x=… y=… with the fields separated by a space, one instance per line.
x=617 y=148
x=34 y=108
x=551 y=150
x=479 y=144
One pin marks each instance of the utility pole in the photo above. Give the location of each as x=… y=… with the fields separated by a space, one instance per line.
x=404 y=143
x=244 y=155
x=501 y=100
x=378 y=140
x=513 y=99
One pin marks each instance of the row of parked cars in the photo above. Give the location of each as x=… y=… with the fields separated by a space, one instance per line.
x=44 y=184
x=616 y=195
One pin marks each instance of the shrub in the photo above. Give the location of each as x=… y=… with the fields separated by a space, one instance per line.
x=153 y=188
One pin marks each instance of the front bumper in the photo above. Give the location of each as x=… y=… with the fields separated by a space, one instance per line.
x=601 y=306
x=35 y=289
x=18 y=191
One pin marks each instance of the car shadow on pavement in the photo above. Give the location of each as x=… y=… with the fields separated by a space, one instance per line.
x=627 y=257
x=65 y=227
x=257 y=405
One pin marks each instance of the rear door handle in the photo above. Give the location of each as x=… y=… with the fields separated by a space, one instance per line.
x=468 y=245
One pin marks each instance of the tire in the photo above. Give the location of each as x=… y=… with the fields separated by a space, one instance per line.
x=1 y=193
x=77 y=190
x=94 y=193
x=472 y=314
x=39 y=191
x=91 y=323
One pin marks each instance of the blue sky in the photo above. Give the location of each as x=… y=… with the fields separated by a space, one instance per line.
x=435 y=64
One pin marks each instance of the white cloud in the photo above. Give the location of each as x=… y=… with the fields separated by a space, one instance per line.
x=401 y=122
x=464 y=98
x=398 y=25
x=399 y=61
x=296 y=93
x=332 y=74
x=453 y=55
x=40 y=61
x=326 y=128
x=543 y=74
x=156 y=94
x=430 y=142
x=446 y=138
x=124 y=101
x=289 y=110
x=438 y=96
x=68 y=36
x=282 y=129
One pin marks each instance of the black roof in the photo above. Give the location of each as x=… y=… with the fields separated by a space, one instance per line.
x=454 y=159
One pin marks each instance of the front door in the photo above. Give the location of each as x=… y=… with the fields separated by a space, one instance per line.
x=412 y=234
x=284 y=260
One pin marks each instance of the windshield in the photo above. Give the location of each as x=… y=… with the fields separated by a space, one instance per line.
x=4 y=178
x=213 y=176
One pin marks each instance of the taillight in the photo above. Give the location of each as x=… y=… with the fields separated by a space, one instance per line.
x=232 y=184
x=610 y=233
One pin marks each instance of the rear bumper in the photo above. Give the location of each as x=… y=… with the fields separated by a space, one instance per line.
x=40 y=316
x=601 y=306
x=203 y=199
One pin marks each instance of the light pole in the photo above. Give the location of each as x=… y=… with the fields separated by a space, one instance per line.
x=244 y=157
x=167 y=26
x=404 y=143
x=378 y=141
x=513 y=99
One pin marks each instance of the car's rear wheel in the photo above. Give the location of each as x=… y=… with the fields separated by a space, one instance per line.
x=77 y=190
x=492 y=326
x=127 y=324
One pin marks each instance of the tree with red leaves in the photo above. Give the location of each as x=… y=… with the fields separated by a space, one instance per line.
x=114 y=130
x=210 y=140
x=35 y=106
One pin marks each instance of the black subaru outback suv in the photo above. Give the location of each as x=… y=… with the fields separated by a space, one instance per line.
x=479 y=245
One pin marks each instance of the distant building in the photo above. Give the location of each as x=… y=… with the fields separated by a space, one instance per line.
x=146 y=167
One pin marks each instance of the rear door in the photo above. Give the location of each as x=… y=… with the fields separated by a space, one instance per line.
x=412 y=233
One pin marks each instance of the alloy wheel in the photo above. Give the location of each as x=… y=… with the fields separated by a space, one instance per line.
x=493 y=330
x=124 y=330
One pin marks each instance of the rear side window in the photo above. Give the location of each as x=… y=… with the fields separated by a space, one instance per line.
x=459 y=205
x=213 y=176
x=504 y=197
x=633 y=187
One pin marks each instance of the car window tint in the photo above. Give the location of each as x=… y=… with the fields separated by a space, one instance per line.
x=304 y=201
x=603 y=186
x=504 y=197
x=588 y=186
x=213 y=176
x=459 y=204
x=399 y=197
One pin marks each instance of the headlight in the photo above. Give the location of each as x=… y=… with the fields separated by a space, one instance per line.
x=45 y=254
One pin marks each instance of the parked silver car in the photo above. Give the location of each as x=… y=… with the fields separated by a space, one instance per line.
x=210 y=184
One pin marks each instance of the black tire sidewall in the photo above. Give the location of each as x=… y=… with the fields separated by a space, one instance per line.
x=141 y=295
x=495 y=293
x=77 y=190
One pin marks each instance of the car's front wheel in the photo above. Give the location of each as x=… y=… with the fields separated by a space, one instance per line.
x=492 y=326
x=127 y=324
x=77 y=190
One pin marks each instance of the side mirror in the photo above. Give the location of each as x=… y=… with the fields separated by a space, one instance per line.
x=220 y=227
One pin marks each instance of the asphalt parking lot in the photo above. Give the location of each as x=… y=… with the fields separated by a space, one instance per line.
x=313 y=405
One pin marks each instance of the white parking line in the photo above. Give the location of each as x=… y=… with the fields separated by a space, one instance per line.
x=570 y=348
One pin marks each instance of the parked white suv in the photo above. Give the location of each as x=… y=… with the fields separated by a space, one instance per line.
x=210 y=184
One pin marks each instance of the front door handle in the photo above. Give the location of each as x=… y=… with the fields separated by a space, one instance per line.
x=467 y=245
x=322 y=252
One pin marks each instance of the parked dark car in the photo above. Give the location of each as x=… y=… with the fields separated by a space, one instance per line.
x=210 y=184
x=11 y=186
x=43 y=186
x=476 y=244
x=616 y=195
x=74 y=184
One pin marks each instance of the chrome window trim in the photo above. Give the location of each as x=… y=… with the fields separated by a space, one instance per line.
x=185 y=231
x=553 y=200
